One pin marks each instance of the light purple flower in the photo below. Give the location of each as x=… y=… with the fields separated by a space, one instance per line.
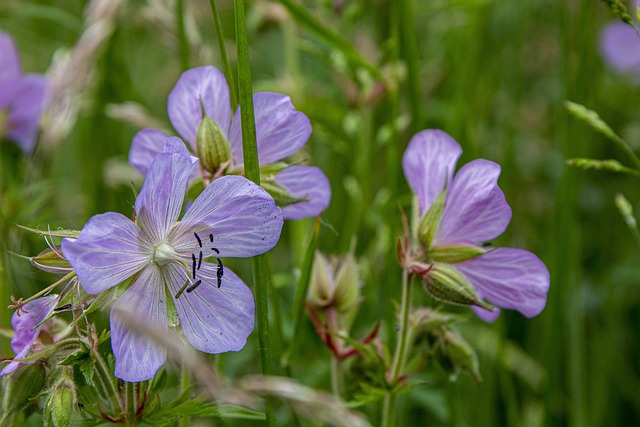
x=21 y=98
x=475 y=211
x=166 y=258
x=281 y=131
x=620 y=47
x=25 y=323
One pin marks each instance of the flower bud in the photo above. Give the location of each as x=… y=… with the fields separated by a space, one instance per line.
x=454 y=253
x=347 y=288
x=212 y=145
x=22 y=386
x=280 y=194
x=51 y=261
x=429 y=222
x=321 y=285
x=59 y=407
x=461 y=354
x=447 y=284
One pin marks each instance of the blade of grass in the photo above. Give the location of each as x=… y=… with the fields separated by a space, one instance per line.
x=182 y=36
x=223 y=55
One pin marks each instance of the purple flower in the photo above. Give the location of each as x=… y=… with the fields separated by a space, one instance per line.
x=21 y=98
x=281 y=131
x=475 y=211
x=620 y=47
x=27 y=322
x=166 y=259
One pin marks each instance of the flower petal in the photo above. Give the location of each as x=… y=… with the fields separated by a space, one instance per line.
x=146 y=145
x=9 y=70
x=486 y=315
x=201 y=86
x=429 y=162
x=214 y=320
x=475 y=208
x=24 y=322
x=510 y=278
x=620 y=47
x=242 y=217
x=109 y=249
x=138 y=357
x=160 y=200
x=306 y=182
x=281 y=130
x=26 y=109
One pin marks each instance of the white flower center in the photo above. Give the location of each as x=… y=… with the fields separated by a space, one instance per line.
x=164 y=254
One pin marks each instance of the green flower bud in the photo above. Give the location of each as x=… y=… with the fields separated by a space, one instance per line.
x=447 y=284
x=321 y=286
x=452 y=254
x=51 y=261
x=280 y=194
x=212 y=145
x=347 y=289
x=20 y=387
x=61 y=407
x=429 y=222
x=461 y=354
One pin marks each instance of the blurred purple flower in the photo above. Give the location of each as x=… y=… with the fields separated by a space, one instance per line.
x=620 y=47
x=25 y=323
x=281 y=131
x=475 y=211
x=21 y=98
x=232 y=217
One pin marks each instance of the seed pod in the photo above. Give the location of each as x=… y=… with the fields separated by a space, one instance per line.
x=447 y=284
x=212 y=145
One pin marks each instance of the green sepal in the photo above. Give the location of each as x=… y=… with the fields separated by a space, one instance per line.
x=59 y=232
x=462 y=355
x=280 y=194
x=347 y=290
x=447 y=284
x=273 y=168
x=50 y=261
x=212 y=145
x=452 y=254
x=21 y=387
x=429 y=222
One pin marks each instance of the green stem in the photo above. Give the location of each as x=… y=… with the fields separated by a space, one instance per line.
x=336 y=378
x=409 y=51
x=226 y=65
x=261 y=277
x=389 y=404
x=108 y=383
x=129 y=402
x=182 y=35
x=185 y=384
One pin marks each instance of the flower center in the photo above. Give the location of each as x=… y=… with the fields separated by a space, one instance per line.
x=164 y=254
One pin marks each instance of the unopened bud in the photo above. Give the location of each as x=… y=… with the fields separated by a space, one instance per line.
x=321 y=286
x=51 y=261
x=462 y=355
x=212 y=145
x=429 y=222
x=61 y=407
x=452 y=254
x=347 y=284
x=22 y=386
x=447 y=284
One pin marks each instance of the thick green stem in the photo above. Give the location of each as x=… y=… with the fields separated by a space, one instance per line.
x=108 y=382
x=261 y=276
x=389 y=404
x=226 y=65
x=182 y=35
x=185 y=384
x=130 y=405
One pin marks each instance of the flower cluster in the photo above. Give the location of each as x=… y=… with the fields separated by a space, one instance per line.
x=22 y=98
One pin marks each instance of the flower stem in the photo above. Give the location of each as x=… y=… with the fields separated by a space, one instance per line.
x=129 y=402
x=108 y=384
x=261 y=276
x=182 y=35
x=185 y=384
x=389 y=405
x=226 y=65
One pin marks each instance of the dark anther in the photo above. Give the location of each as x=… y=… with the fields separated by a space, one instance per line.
x=211 y=238
x=199 y=260
x=220 y=272
x=198 y=239
x=193 y=287
x=216 y=250
x=193 y=258
x=65 y=307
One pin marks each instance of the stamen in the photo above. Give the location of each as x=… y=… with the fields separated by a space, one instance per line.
x=193 y=265
x=216 y=250
x=181 y=290
x=220 y=272
x=198 y=239
x=64 y=307
x=194 y=286
x=199 y=260
x=211 y=238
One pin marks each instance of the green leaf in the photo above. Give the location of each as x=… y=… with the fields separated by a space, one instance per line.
x=58 y=232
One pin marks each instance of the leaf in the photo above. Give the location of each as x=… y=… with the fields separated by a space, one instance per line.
x=59 y=232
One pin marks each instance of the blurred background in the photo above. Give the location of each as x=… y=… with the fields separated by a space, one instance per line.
x=494 y=74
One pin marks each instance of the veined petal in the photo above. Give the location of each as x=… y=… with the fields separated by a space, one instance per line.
x=9 y=70
x=138 y=357
x=620 y=47
x=242 y=218
x=26 y=109
x=510 y=278
x=281 y=130
x=199 y=87
x=306 y=182
x=429 y=162
x=475 y=208
x=214 y=320
x=146 y=145
x=24 y=322
x=109 y=249
x=160 y=200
